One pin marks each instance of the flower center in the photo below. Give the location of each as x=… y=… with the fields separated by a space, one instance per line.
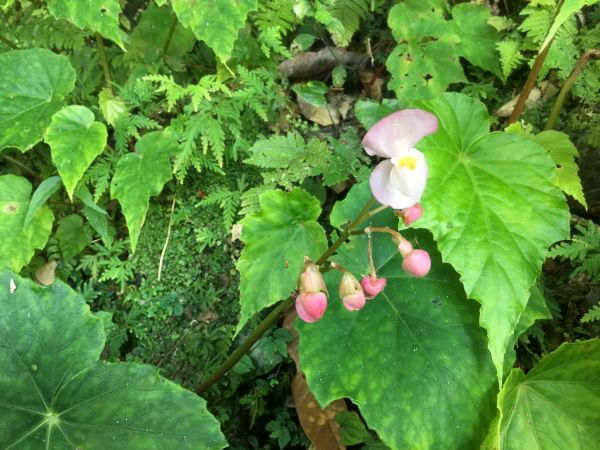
x=410 y=162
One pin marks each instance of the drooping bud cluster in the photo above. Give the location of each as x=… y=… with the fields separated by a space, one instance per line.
x=373 y=285
x=416 y=262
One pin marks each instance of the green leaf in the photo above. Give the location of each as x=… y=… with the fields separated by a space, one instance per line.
x=55 y=394
x=72 y=235
x=277 y=239
x=101 y=16
x=413 y=360
x=312 y=93
x=477 y=38
x=33 y=84
x=352 y=429
x=18 y=243
x=39 y=198
x=557 y=404
x=148 y=39
x=369 y=112
x=96 y=216
x=568 y=8
x=493 y=209
x=563 y=153
x=141 y=175
x=111 y=106
x=75 y=140
x=215 y=22
x=536 y=309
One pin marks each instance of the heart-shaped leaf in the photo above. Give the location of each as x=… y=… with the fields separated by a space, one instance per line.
x=413 y=359
x=277 y=239
x=33 y=84
x=75 y=140
x=557 y=404
x=141 y=175
x=493 y=209
x=54 y=393
x=19 y=242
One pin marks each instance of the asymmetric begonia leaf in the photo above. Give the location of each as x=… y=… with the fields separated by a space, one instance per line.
x=75 y=140
x=413 y=360
x=55 y=394
x=557 y=404
x=563 y=153
x=141 y=175
x=426 y=60
x=72 y=235
x=277 y=239
x=101 y=16
x=493 y=209
x=18 y=242
x=217 y=23
x=33 y=84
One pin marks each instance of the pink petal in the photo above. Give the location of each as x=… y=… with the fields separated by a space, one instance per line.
x=312 y=304
x=355 y=301
x=412 y=214
x=399 y=188
x=399 y=132
x=373 y=286
x=417 y=263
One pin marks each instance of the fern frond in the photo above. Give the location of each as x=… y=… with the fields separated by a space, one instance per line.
x=592 y=314
x=275 y=14
x=341 y=17
x=510 y=56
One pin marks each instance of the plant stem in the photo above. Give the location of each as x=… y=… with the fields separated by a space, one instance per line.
x=533 y=74
x=529 y=84
x=562 y=95
x=169 y=38
x=164 y=249
x=104 y=62
x=272 y=317
x=25 y=168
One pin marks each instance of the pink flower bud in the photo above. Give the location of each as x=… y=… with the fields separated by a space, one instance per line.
x=372 y=286
x=351 y=292
x=417 y=263
x=409 y=215
x=311 y=306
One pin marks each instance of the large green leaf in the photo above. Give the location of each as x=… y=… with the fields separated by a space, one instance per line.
x=557 y=404
x=101 y=16
x=18 y=242
x=277 y=239
x=33 y=84
x=55 y=394
x=413 y=359
x=215 y=22
x=72 y=235
x=563 y=153
x=492 y=207
x=43 y=192
x=75 y=140
x=141 y=175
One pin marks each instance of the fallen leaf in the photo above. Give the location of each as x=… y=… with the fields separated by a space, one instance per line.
x=46 y=274
x=318 y=423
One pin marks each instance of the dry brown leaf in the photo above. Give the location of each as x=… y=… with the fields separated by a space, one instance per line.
x=314 y=65
x=46 y=274
x=318 y=423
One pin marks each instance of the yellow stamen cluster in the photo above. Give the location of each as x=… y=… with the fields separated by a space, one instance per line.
x=410 y=162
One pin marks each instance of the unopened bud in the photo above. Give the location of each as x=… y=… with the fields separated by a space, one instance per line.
x=417 y=263
x=311 y=279
x=311 y=301
x=372 y=286
x=351 y=292
x=311 y=306
x=409 y=215
x=404 y=247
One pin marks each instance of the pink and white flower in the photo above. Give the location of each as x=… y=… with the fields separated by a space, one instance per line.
x=399 y=180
